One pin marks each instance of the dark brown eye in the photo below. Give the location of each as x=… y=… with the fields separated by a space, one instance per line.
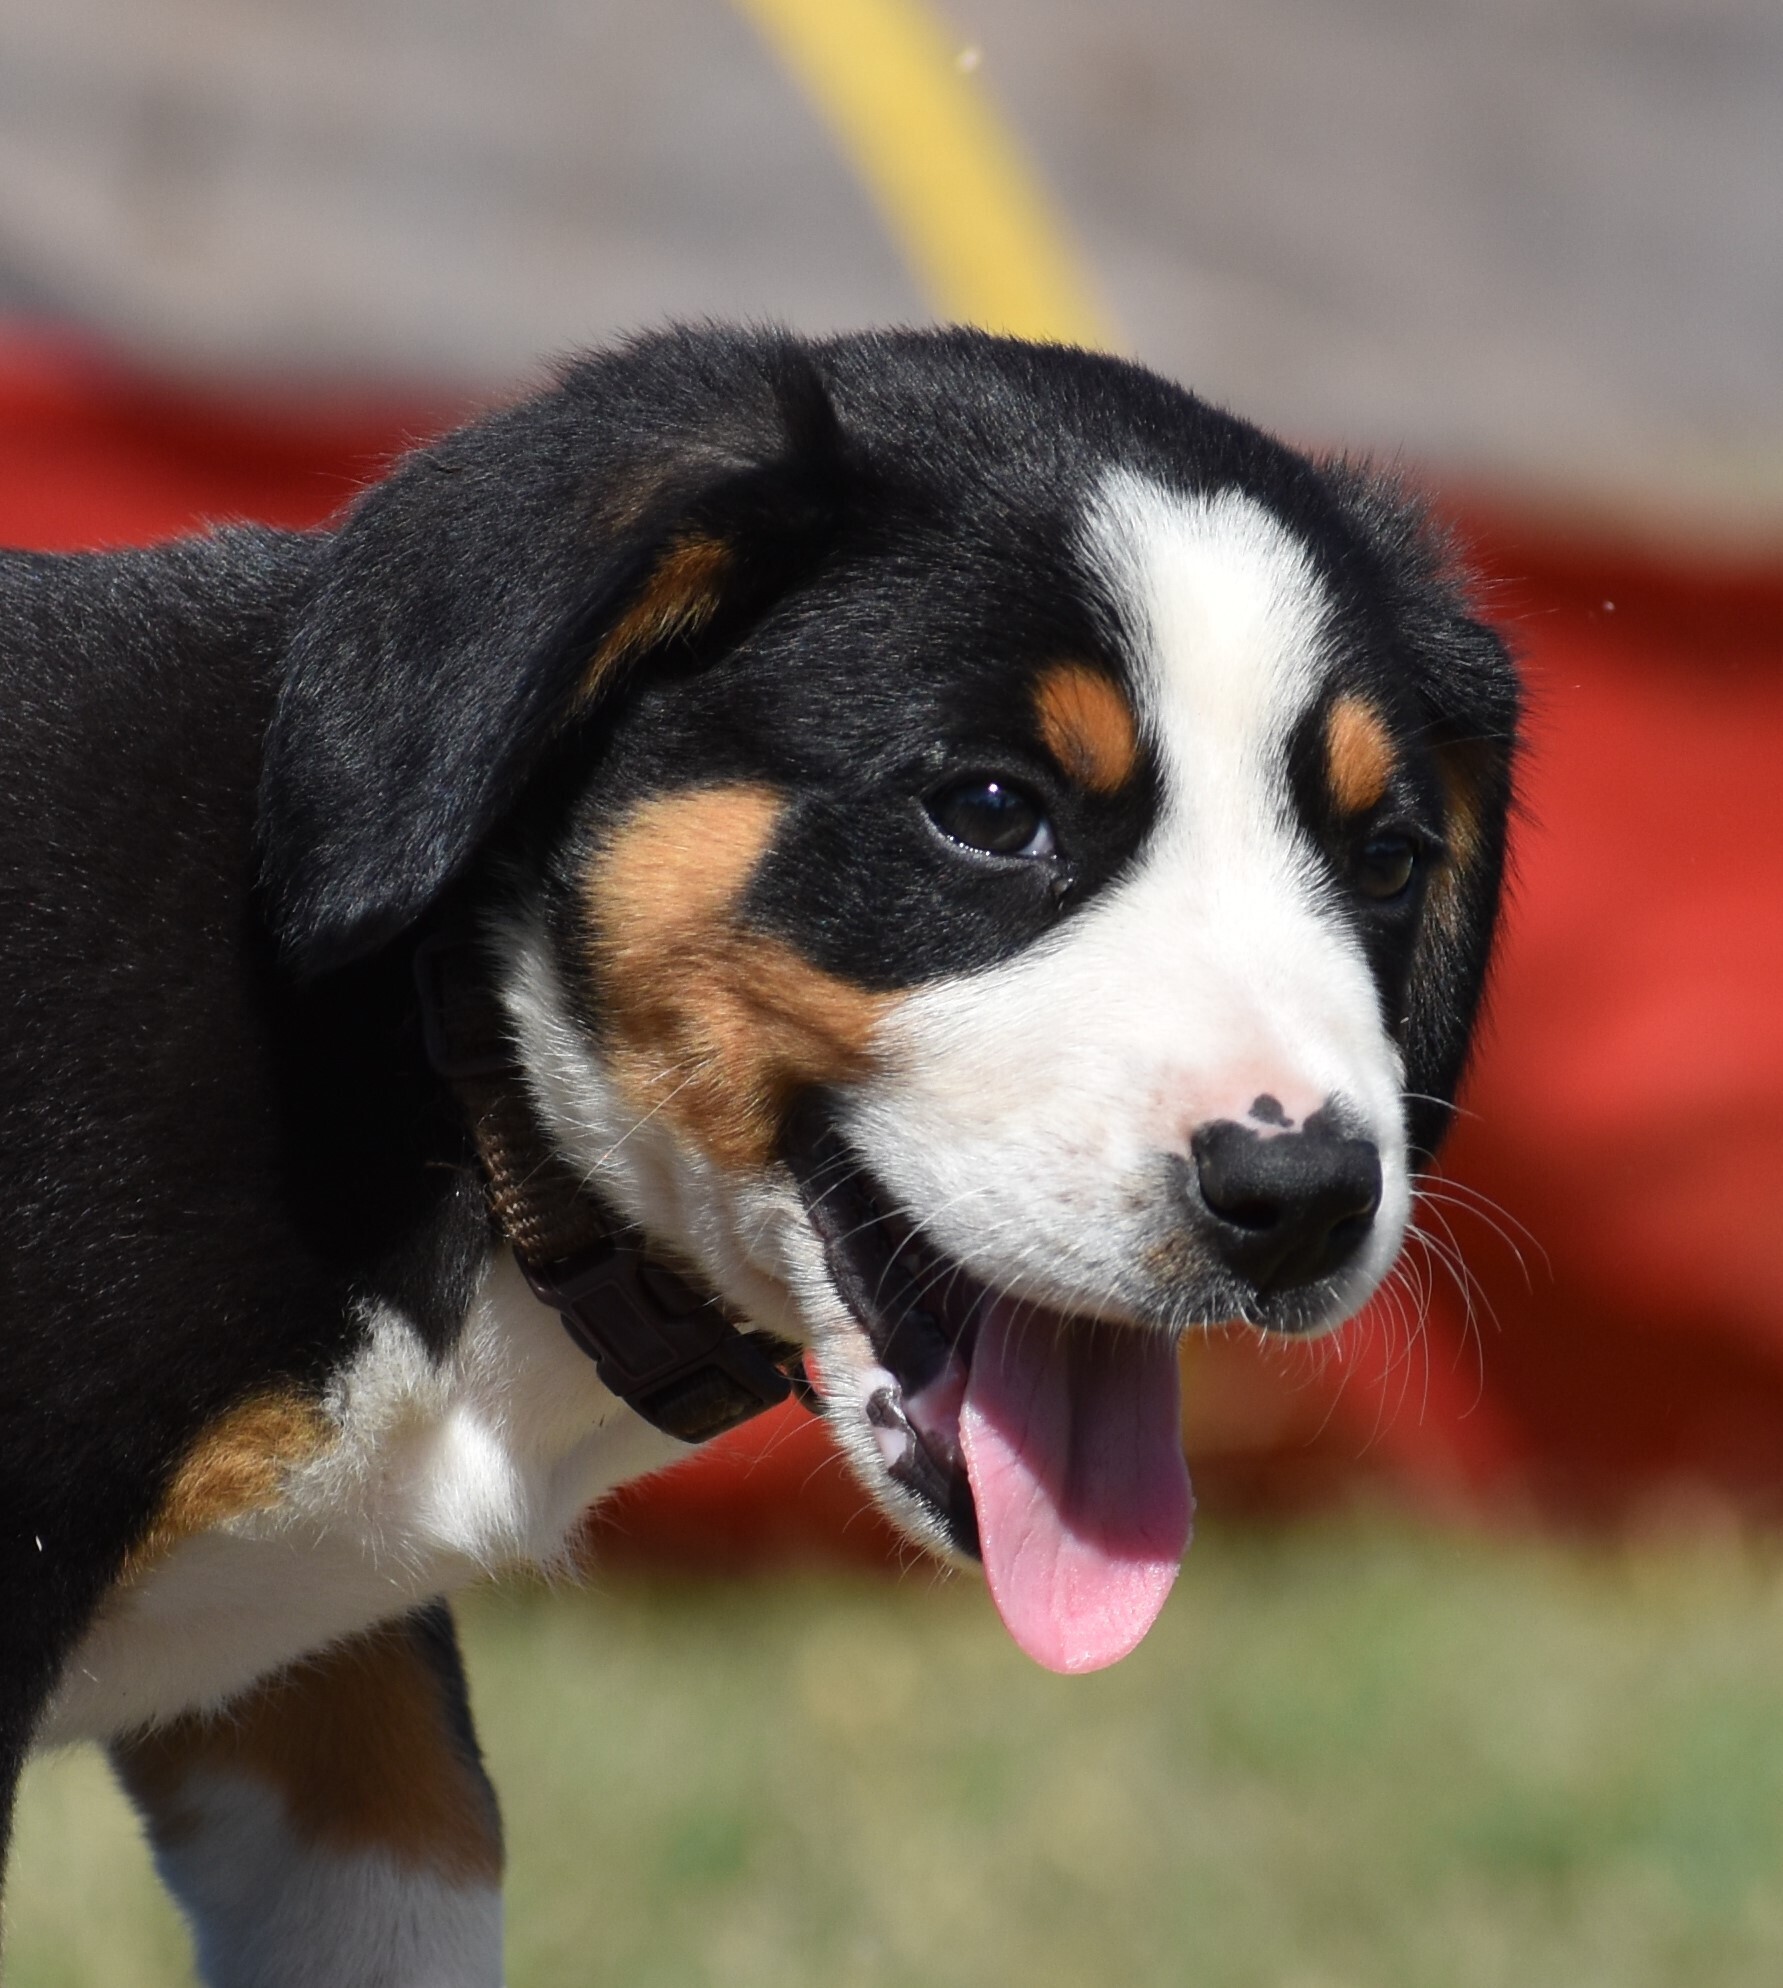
x=994 y=816
x=1385 y=866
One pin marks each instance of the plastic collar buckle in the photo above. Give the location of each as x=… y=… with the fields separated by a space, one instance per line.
x=658 y=1344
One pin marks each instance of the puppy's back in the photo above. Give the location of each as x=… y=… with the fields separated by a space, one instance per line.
x=139 y=1114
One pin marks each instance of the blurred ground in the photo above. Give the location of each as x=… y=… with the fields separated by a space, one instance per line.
x=1534 y=247
x=1350 y=1756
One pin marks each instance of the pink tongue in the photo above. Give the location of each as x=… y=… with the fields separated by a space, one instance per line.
x=1073 y=1443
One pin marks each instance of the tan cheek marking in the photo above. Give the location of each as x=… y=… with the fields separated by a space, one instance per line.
x=1359 y=755
x=1088 y=727
x=681 y=594
x=358 y=1745
x=238 y=1465
x=1464 y=832
x=713 y=1026
x=1461 y=790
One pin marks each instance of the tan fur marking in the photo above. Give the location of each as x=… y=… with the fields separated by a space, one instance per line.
x=1463 y=832
x=682 y=593
x=1463 y=827
x=1359 y=755
x=358 y=1744
x=238 y=1465
x=1088 y=727
x=714 y=1026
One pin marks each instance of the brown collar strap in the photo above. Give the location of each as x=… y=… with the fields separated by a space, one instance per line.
x=666 y=1349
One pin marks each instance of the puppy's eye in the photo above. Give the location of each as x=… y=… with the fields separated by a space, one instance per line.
x=1385 y=866
x=992 y=815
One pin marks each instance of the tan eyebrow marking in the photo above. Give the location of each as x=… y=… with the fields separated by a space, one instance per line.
x=715 y=1026
x=1088 y=727
x=1359 y=755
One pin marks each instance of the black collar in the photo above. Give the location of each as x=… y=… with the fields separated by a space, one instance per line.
x=666 y=1349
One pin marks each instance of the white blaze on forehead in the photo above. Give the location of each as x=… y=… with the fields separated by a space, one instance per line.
x=1226 y=621
x=1228 y=618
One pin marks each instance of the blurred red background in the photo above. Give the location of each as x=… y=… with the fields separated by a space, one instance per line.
x=1616 y=1186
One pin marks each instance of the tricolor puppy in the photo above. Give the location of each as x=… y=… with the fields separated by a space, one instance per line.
x=918 y=867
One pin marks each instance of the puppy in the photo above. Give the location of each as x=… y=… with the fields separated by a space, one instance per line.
x=917 y=868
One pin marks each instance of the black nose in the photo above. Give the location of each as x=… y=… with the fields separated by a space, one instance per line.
x=1288 y=1208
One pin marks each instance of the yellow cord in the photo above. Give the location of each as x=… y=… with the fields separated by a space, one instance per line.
x=948 y=178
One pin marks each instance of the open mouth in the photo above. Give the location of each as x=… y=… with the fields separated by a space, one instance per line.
x=1048 y=1446
x=920 y=1315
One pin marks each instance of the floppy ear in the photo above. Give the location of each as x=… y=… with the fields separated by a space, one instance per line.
x=473 y=604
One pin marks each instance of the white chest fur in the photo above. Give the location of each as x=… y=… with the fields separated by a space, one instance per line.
x=441 y=1470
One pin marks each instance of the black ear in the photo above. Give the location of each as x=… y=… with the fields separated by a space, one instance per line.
x=473 y=603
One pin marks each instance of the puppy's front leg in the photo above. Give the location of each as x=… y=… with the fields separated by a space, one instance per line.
x=333 y=1825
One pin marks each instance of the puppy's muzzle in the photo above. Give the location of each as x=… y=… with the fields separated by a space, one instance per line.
x=1283 y=1209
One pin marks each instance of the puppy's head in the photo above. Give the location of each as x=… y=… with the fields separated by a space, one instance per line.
x=989 y=859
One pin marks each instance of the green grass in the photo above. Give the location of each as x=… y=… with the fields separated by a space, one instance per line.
x=1354 y=1753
